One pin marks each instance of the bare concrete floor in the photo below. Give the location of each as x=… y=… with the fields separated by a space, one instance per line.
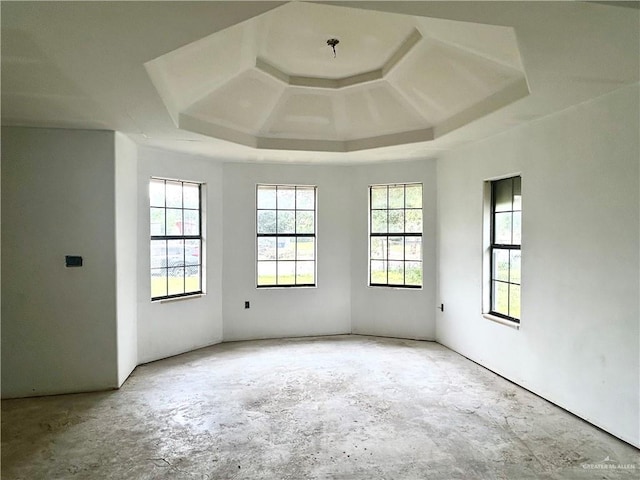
x=345 y=407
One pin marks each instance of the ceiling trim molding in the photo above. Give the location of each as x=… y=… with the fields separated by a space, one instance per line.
x=626 y=4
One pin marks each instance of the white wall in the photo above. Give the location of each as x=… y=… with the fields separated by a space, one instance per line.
x=342 y=302
x=407 y=313
x=126 y=198
x=578 y=342
x=58 y=323
x=282 y=312
x=173 y=327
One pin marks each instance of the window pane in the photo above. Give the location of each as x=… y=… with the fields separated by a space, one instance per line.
x=396 y=197
x=192 y=279
x=517 y=193
x=266 y=273
x=176 y=281
x=378 y=248
x=192 y=252
x=414 y=196
x=266 y=248
x=158 y=282
x=413 y=248
x=396 y=221
x=396 y=273
x=191 y=195
x=157 y=221
x=514 y=301
x=379 y=197
x=413 y=273
x=503 y=228
x=158 y=253
x=305 y=198
x=286 y=221
x=396 y=248
x=503 y=195
x=378 y=271
x=414 y=221
x=306 y=248
x=156 y=193
x=266 y=197
x=379 y=221
x=266 y=221
x=174 y=194
x=286 y=273
x=190 y=271
x=286 y=198
x=191 y=220
x=286 y=248
x=305 y=222
x=501 y=265
x=305 y=273
x=514 y=270
x=175 y=253
x=174 y=221
x=517 y=228
x=500 y=298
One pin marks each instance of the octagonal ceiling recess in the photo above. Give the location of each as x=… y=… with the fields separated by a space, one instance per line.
x=273 y=82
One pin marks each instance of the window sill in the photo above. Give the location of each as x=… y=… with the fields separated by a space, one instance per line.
x=398 y=287
x=178 y=299
x=502 y=321
x=285 y=287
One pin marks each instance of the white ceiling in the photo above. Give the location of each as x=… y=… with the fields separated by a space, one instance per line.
x=162 y=71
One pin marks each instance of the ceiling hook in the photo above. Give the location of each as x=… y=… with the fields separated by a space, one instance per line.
x=332 y=42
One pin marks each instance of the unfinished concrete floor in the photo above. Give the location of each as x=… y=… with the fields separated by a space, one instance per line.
x=344 y=407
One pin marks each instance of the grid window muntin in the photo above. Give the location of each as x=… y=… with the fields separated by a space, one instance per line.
x=505 y=248
x=175 y=238
x=395 y=235
x=286 y=235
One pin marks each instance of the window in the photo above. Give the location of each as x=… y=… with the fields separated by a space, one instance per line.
x=395 y=235
x=286 y=236
x=176 y=238
x=505 y=248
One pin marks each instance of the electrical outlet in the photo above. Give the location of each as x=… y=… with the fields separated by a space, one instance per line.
x=72 y=261
x=247 y=304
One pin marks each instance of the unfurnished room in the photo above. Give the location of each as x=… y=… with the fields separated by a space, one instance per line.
x=320 y=240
